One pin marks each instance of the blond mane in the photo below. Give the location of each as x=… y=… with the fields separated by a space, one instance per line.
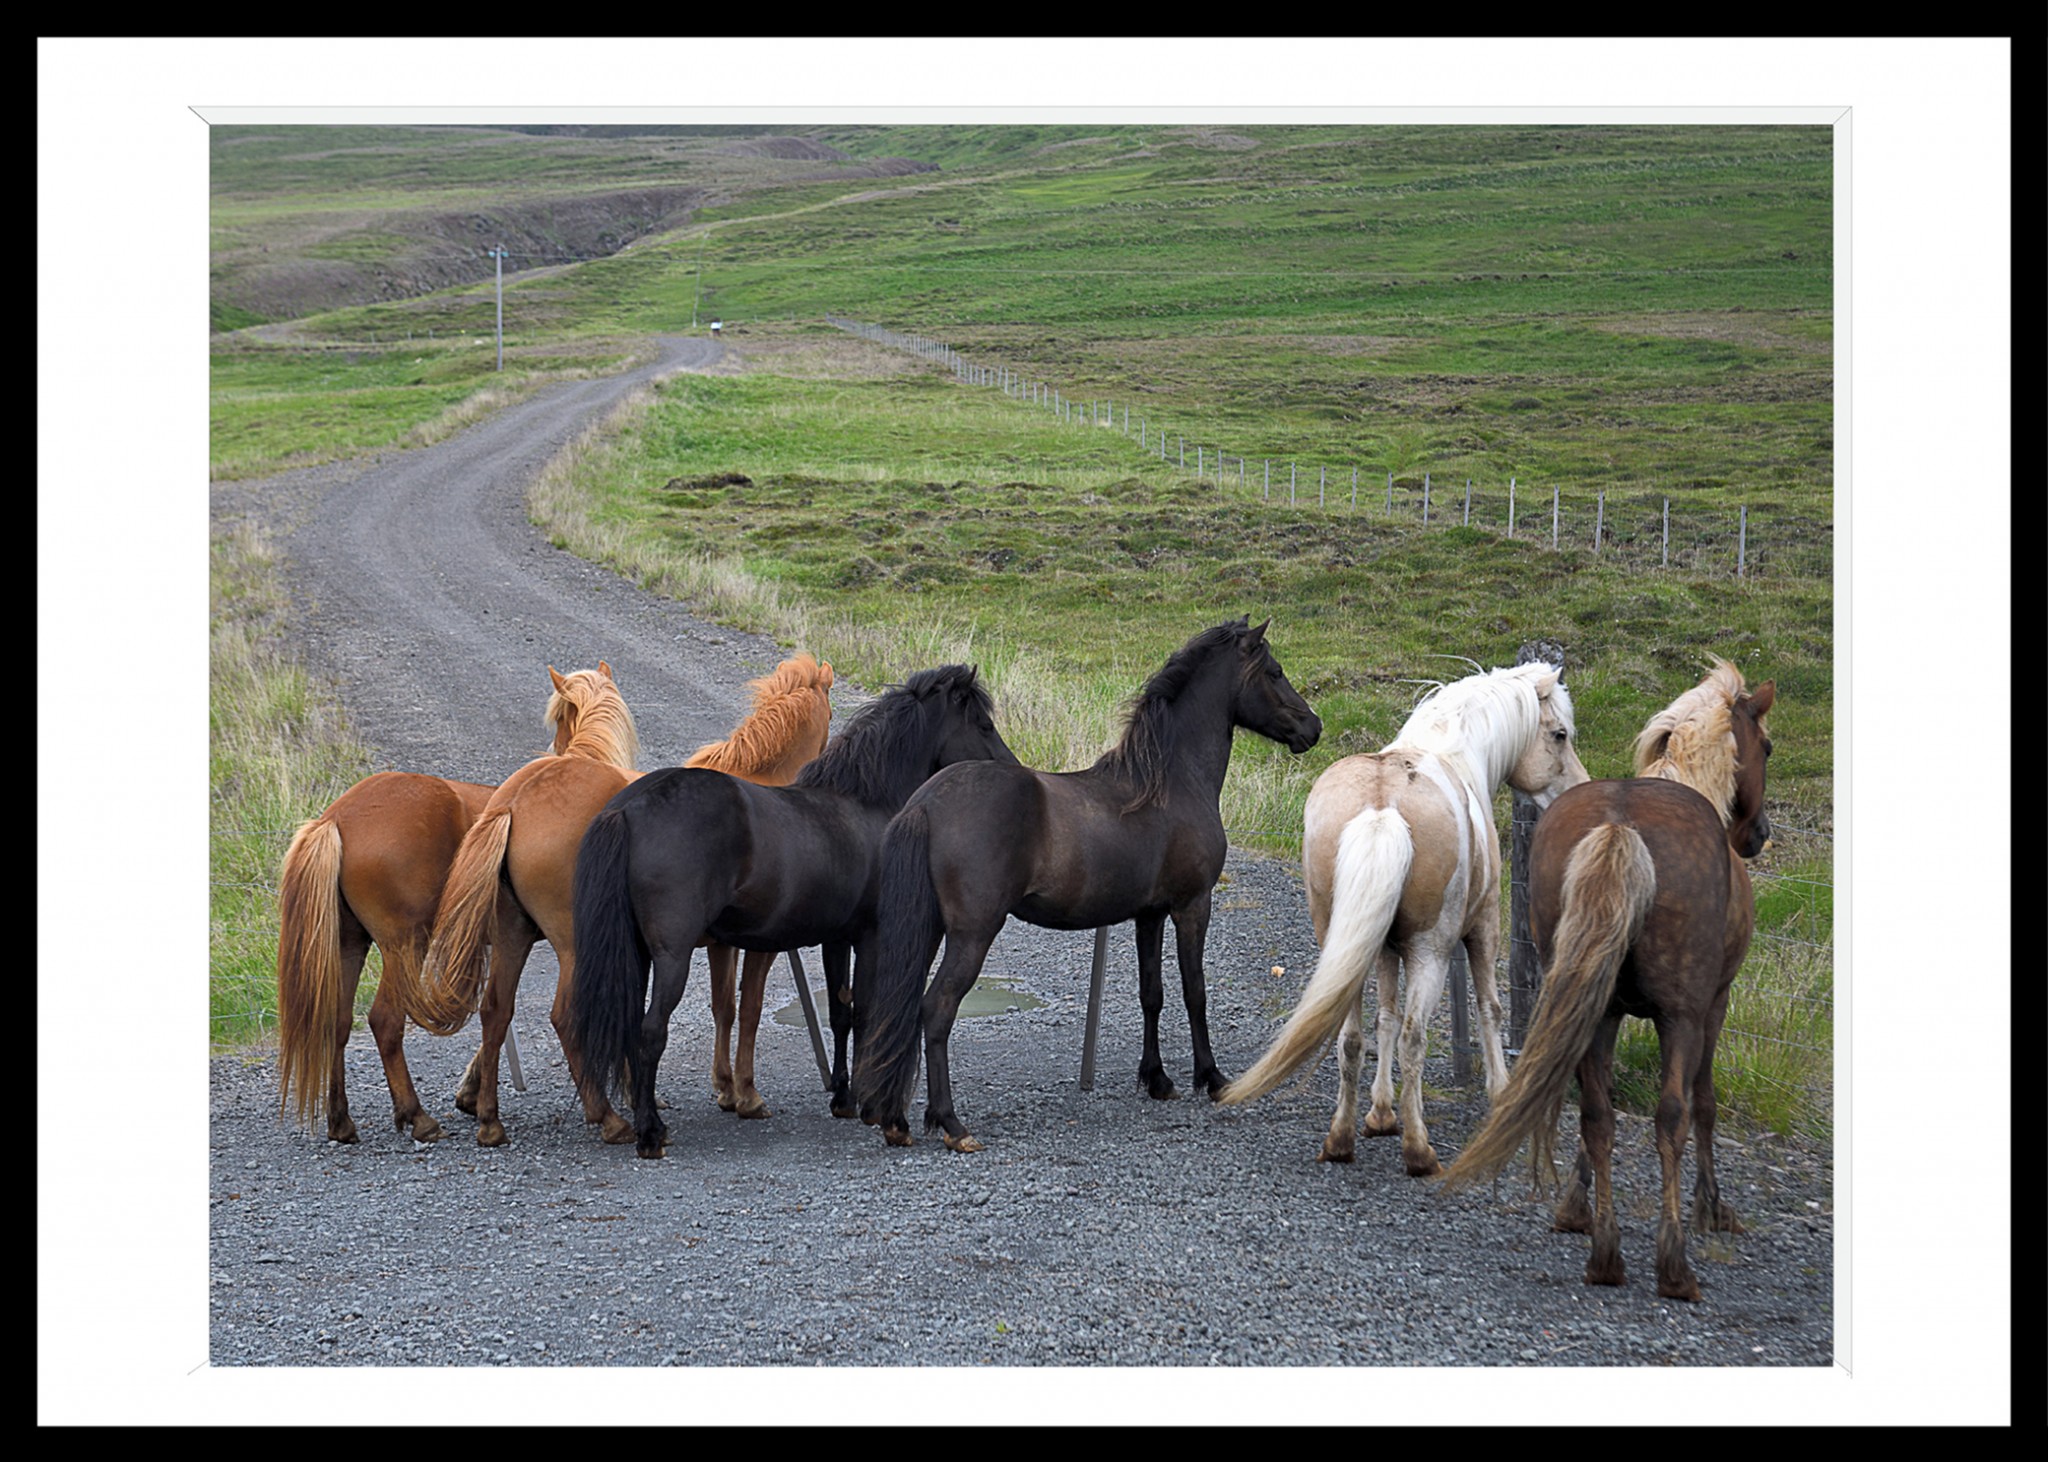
x=787 y=701
x=602 y=727
x=1692 y=740
x=1483 y=723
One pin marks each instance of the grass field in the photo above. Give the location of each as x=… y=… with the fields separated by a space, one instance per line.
x=1635 y=311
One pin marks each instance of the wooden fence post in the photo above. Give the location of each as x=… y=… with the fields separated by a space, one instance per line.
x=1525 y=971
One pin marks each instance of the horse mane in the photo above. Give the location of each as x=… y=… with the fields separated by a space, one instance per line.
x=783 y=707
x=1483 y=723
x=1692 y=740
x=604 y=727
x=871 y=760
x=1144 y=754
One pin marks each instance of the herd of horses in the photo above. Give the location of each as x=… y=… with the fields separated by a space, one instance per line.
x=916 y=827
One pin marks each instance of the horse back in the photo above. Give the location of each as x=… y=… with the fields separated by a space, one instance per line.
x=1702 y=914
x=1428 y=800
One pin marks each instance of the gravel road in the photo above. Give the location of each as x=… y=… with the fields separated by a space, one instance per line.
x=1099 y=1228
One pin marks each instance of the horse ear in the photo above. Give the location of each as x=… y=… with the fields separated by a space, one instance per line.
x=1258 y=635
x=1545 y=684
x=556 y=678
x=1760 y=699
x=825 y=676
x=604 y=668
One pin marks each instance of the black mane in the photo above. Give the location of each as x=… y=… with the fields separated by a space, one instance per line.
x=881 y=747
x=1144 y=755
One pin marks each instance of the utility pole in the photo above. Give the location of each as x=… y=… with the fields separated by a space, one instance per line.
x=700 y=278
x=499 y=254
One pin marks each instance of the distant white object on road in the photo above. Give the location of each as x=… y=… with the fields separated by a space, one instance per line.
x=715 y=325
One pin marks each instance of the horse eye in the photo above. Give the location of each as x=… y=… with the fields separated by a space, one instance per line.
x=1560 y=735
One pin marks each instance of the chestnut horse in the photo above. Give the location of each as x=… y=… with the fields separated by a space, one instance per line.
x=682 y=856
x=1137 y=836
x=1402 y=863
x=512 y=880
x=1640 y=904
x=366 y=871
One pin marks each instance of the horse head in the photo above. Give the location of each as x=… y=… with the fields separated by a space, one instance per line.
x=1265 y=701
x=1749 y=826
x=960 y=714
x=1551 y=764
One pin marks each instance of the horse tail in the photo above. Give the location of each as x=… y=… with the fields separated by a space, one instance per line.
x=1374 y=854
x=1609 y=884
x=312 y=1002
x=889 y=1011
x=611 y=957
x=458 y=957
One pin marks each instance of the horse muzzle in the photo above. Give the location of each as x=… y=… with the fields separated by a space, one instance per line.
x=1302 y=737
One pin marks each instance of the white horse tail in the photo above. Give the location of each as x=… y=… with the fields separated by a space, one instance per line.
x=1374 y=854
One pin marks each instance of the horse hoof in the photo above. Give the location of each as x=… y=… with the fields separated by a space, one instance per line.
x=962 y=1143
x=1158 y=1086
x=648 y=1149
x=1687 y=1289
x=1382 y=1126
x=345 y=1132
x=897 y=1136
x=847 y=1109
x=1422 y=1165
x=1212 y=1081
x=426 y=1129
x=726 y=1103
x=758 y=1109
x=491 y=1134
x=465 y=1102
x=616 y=1129
x=1333 y=1154
x=1574 y=1215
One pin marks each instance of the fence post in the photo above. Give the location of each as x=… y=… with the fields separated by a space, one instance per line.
x=1468 y=502
x=1390 y=494
x=1425 y=499
x=1553 y=520
x=1354 y=484
x=1525 y=971
x=1322 y=473
x=1511 y=507
x=1742 y=543
x=1599 y=518
x=1094 y=1009
x=1667 y=535
x=1290 y=484
x=1269 y=479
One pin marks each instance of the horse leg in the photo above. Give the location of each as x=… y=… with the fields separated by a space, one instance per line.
x=1152 y=997
x=1380 y=1121
x=1596 y=1151
x=1341 y=1144
x=387 y=1025
x=512 y=939
x=724 y=963
x=671 y=974
x=1574 y=1214
x=1190 y=933
x=957 y=971
x=839 y=1006
x=1710 y=1213
x=1679 y=1040
x=355 y=948
x=597 y=1108
x=753 y=985
x=1482 y=947
x=1427 y=968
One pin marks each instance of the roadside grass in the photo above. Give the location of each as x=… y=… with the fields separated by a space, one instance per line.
x=278 y=748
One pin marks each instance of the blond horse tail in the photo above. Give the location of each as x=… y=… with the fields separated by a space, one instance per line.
x=311 y=1003
x=1608 y=886
x=458 y=955
x=1374 y=854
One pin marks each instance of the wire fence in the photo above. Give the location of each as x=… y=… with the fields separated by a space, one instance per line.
x=1635 y=529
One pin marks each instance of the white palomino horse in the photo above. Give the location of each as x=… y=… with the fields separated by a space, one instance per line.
x=1402 y=862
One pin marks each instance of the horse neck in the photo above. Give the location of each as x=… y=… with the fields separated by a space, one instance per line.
x=1480 y=761
x=602 y=734
x=1203 y=731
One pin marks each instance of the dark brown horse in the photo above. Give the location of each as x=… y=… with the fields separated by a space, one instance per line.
x=684 y=855
x=1136 y=836
x=1640 y=905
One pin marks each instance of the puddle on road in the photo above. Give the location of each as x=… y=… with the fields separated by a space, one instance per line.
x=988 y=997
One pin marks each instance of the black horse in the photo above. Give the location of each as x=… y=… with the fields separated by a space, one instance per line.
x=1136 y=836
x=682 y=856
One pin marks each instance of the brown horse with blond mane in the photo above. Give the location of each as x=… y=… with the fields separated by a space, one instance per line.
x=511 y=882
x=1640 y=904
x=368 y=870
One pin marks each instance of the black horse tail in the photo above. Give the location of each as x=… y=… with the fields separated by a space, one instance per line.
x=611 y=957
x=889 y=1006
x=1609 y=885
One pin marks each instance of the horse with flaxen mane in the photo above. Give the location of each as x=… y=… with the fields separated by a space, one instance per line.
x=512 y=881
x=1402 y=863
x=683 y=856
x=1640 y=904
x=368 y=870
x=1139 y=836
